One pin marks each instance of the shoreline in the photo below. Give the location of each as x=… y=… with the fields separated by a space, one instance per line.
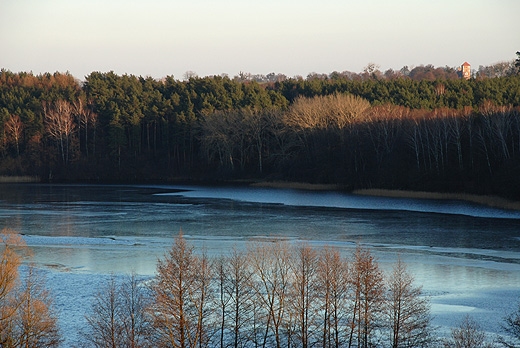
x=297 y=186
x=490 y=201
x=4 y=179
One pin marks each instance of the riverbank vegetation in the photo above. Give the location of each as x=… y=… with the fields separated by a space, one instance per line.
x=421 y=129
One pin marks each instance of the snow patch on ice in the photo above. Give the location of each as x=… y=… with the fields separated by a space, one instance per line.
x=34 y=240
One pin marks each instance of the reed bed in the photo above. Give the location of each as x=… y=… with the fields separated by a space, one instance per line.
x=491 y=201
x=18 y=179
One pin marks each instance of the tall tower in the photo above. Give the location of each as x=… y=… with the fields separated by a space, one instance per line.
x=466 y=71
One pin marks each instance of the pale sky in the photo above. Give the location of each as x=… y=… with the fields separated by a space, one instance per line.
x=294 y=37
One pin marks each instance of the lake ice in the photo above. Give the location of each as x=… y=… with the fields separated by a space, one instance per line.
x=466 y=256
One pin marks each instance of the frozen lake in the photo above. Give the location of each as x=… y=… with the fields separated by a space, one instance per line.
x=466 y=256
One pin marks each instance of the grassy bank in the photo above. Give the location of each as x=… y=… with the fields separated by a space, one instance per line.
x=297 y=185
x=18 y=179
x=491 y=201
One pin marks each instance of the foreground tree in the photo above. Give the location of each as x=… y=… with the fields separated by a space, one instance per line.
x=105 y=328
x=333 y=290
x=236 y=299
x=27 y=316
x=469 y=334
x=181 y=291
x=303 y=299
x=512 y=328
x=9 y=263
x=271 y=274
x=9 y=279
x=36 y=323
x=407 y=311
x=119 y=316
x=369 y=288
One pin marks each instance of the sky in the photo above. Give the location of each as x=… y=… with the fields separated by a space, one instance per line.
x=161 y=38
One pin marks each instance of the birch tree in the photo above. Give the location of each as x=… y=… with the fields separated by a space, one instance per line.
x=14 y=130
x=60 y=126
x=86 y=120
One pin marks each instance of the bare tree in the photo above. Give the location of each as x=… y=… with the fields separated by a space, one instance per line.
x=236 y=299
x=468 y=334
x=317 y=121
x=86 y=119
x=119 y=315
x=322 y=112
x=137 y=325
x=181 y=290
x=36 y=323
x=27 y=316
x=271 y=267
x=384 y=127
x=202 y=297
x=512 y=328
x=407 y=310
x=368 y=285
x=217 y=137
x=105 y=327
x=14 y=130
x=303 y=299
x=9 y=280
x=333 y=291
x=60 y=126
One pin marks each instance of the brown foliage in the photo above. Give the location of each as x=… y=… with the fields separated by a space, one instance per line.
x=27 y=318
x=368 y=284
x=273 y=294
x=326 y=112
x=181 y=291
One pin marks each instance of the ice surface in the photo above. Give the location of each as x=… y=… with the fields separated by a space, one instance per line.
x=466 y=256
x=332 y=199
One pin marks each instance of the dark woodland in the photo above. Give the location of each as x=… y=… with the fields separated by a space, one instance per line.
x=414 y=129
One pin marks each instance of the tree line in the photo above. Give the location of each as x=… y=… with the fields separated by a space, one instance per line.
x=269 y=295
x=368 y=130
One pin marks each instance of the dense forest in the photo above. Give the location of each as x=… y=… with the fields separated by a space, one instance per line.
x=420 y=129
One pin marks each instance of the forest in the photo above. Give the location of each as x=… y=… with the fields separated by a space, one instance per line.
x=415 y=129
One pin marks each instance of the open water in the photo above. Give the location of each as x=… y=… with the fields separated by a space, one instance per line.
x=466 y=256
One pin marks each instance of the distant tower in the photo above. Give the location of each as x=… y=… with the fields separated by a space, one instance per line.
x=466 y=71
